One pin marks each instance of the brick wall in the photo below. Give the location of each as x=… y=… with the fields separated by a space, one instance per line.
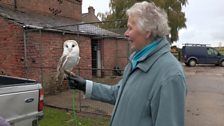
x=11 y=49
x=114 y=53
x=123 y=53
x=66 y=8
x=43 y=50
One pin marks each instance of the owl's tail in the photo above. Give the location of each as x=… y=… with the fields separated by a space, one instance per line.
x=59 y=79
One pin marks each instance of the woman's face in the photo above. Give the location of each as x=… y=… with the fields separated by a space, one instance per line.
x=138 y=39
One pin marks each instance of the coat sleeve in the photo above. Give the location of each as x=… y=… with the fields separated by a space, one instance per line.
x=168 y=105
x=105 y=93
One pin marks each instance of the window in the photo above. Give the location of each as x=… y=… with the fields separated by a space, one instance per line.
x=212 y=51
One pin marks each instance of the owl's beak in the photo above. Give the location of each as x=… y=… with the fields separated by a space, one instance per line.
x=69 y=50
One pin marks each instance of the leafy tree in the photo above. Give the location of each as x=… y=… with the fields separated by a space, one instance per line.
x=173 y=8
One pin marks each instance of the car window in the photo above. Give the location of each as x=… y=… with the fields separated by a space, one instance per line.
x=215 y=52
x=212 y=51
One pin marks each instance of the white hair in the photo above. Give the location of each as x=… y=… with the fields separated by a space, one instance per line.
x=150 y=18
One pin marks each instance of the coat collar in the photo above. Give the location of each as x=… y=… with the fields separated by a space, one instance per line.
x=146 y=62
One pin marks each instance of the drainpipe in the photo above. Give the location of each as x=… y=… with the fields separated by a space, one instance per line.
x=25 y=50
x=15 y=4
x=25 y=30
x=41 y=60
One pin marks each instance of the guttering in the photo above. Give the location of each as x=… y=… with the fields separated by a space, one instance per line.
x=32 y=26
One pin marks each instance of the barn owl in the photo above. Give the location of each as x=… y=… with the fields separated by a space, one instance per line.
x=69 y=59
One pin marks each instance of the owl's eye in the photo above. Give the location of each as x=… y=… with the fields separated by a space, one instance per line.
x=66 y=46
x=73 y=45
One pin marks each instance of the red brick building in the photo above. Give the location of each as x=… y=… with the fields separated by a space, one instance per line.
x=64 y=8
x=32 y=35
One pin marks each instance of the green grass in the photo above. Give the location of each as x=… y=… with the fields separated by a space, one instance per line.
x=56 y=117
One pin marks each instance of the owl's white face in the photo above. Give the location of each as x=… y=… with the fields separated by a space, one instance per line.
x=70 y=46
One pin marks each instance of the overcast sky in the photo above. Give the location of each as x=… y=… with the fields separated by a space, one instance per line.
x=99 y=5
x=205 y=20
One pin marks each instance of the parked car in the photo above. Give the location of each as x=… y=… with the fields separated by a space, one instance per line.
x=201 y=54
x=21 y=101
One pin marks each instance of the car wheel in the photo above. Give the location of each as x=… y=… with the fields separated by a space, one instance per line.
x=222 y=63
x=192 y=62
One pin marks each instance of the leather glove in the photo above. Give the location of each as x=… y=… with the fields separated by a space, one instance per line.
x=76 y=82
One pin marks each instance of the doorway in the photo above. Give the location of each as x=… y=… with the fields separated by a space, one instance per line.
x=96 y=58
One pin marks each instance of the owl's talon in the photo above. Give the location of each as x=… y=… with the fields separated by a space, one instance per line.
x=69 y=73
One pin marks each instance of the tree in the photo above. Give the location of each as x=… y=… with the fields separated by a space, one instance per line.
x=173 y=8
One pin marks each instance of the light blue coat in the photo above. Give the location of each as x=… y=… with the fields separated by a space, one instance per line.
x=153 y=94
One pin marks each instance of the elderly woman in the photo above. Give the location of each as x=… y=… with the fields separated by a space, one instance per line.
x=152 y=91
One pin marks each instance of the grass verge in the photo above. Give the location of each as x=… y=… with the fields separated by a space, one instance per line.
x=56 y=117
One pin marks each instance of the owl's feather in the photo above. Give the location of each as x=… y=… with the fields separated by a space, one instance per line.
x=60 y=71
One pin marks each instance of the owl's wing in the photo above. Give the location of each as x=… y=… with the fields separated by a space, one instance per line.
x=60 y=70
x=61 y=61
x=78 y=60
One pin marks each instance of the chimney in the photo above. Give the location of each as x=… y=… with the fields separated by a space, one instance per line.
x=91 y=10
